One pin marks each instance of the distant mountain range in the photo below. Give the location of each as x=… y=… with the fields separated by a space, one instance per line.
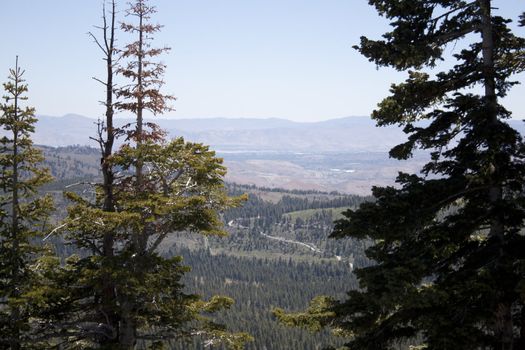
x=350 y=134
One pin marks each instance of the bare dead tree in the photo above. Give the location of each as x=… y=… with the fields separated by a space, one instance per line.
x=107 y=132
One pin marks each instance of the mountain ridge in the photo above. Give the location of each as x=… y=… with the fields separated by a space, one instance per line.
x=342 y=134
x=346 y=134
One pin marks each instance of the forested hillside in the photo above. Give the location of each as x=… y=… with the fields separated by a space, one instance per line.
x=260 y=284
x=276 y=254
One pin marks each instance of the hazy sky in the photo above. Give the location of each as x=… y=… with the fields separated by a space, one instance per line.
x=230 y=58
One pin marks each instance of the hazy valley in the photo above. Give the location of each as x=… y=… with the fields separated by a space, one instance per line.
x=348 y=155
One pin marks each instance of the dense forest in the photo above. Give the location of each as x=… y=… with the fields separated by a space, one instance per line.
x=258 y=285
x=258 y=272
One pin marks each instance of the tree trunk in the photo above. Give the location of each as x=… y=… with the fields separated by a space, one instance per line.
x=109 y=315
x=15 y=254
x=520 y=344
x=140 y=106
x=503 y=314
x=127 y=336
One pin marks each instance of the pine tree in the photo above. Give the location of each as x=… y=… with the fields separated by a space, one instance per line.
x=181 y=189
x=145 y=75
x=23 y=212
x=448 y=244
x=121 y=293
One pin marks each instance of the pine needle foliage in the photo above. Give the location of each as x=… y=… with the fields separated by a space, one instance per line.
x=23 y=213
x=119 y=292
x=449 y=245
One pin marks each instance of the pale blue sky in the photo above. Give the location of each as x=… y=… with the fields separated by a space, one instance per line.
x=230 y=58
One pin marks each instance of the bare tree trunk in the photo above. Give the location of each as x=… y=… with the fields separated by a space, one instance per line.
x=15 y=254
x=108 y=296
x=110 y=131
x=140 y=106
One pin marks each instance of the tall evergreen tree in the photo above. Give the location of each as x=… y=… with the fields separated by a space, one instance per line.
x=180 y=189
x=121 y=292
x=23 y=212
x=449 y=248
x=142 y=93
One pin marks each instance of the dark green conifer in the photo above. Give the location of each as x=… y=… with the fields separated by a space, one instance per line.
x=449 y=246
x=23 y=212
